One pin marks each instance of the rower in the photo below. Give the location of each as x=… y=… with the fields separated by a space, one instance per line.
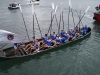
x=66 y=36
x=30 y=46
x=45 y=38
x=85 y=29
x=73 y=35
x=58 y=40
x=53 y=36
x=62 y=33
x=81 y=32
x=37 y=46
x=76 y=29
x=49 y=42
x=16 y=48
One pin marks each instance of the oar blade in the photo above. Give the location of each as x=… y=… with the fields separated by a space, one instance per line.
x=53 y=6
x=70 y=4
x=20 y=8
x=61 y=4
x=87 y=9
x=56 y=9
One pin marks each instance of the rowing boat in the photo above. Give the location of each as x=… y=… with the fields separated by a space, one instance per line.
x=9 y=52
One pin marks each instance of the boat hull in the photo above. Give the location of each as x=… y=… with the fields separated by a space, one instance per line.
x=13 y=7
x=96 y=17
x=70 y=43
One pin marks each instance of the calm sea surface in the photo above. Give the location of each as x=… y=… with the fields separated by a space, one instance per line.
x=82 y=58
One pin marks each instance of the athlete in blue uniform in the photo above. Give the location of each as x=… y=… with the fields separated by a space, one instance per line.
x=58 y=40
x=53 y=36
x=37 y=46
x=62 y=33
x=45 y=38
x=66 y=36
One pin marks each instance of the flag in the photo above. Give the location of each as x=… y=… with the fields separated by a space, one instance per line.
x=9 y=37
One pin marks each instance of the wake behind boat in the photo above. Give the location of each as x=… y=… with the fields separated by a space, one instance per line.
x=13 y=5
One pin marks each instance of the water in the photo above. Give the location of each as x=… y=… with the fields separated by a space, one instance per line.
x=81 y=58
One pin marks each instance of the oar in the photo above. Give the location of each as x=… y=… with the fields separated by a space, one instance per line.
x=33 y=19
x=24 y=22
x=72 y=12
x=61 y=18
x=38 y=25
x=80 y=13
x=69 y=12
x=50 y=27
x=62 y=14
x=3 y=46
x=83 y=15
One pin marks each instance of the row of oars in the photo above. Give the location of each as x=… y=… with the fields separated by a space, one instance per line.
x=53 y=15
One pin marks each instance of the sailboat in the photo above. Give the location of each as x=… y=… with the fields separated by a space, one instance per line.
x=9 y=52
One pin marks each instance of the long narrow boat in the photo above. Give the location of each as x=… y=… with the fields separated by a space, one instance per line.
x=9 y=52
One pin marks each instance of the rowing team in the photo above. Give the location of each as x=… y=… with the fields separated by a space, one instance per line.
x=53 y=40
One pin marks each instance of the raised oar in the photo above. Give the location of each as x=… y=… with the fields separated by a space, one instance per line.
x=33 y=19
x=61 y=18
x=52 y=19
x=24 y=22
x=72 y=13
x=69 y=13
x=83 y=15
x=62 y=14
x=80 y=13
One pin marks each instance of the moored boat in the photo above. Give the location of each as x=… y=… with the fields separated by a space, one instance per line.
x=97 y=16
x=13 y=5
x=33 y=1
